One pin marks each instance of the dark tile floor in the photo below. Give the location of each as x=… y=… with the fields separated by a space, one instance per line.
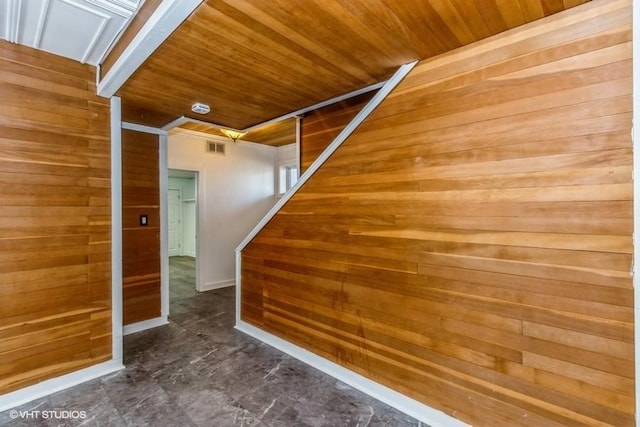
x=182 y=274
x=199 y=371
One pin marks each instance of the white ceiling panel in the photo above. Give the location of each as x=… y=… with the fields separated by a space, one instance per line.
x=83 y=30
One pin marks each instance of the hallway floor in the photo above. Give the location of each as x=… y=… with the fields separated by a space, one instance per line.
x=200 y=371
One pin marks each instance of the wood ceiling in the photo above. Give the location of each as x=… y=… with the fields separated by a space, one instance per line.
x=274 y=134
x=254 y=60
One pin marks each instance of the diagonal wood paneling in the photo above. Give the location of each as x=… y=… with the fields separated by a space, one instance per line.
x=55 y=234
x=320 y=127
x=252 y=60
x=470 y=245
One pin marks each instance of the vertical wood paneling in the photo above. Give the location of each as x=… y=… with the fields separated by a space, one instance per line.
x=470 y=244
x=321 y=126
x=55 y=248
x=140 y=244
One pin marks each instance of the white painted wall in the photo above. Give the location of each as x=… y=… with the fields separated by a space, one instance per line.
x=285 y=155
x=235 y=191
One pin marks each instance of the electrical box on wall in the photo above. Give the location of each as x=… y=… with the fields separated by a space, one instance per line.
x=144 y=220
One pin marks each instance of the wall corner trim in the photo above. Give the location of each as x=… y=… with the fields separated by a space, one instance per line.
x=53 y=385
x=217 y=285
x=144 y=129
x=337 y=142
x=166 y=18
x=635 y=140
x=373 y=103
x=116 y=229
x=144 y=325
x=384 y=394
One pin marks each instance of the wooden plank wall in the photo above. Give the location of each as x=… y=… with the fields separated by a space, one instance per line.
x=55 y=226
x=320 y=127
x=140 y=244
x=470 y=245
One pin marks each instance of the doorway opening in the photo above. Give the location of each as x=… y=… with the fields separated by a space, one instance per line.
x=182 y=217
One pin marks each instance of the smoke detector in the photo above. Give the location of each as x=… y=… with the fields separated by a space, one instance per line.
x=200 y=108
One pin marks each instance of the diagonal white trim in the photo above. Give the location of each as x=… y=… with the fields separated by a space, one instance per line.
x=184 y=119
x=384 y=394
x=142 y=128
x=145 y=324
x=318 y=105
x=346 y=132
x=92 y=45
x=119 y=8
x=166 y=18
x=342 y=136
x=175 y=123
x=47 y=387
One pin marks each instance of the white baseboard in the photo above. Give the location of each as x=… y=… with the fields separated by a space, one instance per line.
x=47 y=387
x=144 y=325
x=217 y=285
x=384 y=394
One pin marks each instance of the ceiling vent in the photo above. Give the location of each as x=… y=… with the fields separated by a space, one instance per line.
x=215 y=147
x=199 y=108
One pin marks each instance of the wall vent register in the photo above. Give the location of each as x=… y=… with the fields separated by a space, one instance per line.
x=215 y=147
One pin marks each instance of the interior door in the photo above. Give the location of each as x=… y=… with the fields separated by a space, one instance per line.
x=175 y=221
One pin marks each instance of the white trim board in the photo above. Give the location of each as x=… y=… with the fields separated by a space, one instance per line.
x=144 y=325
x=635 y=136
x=166 y=18
x=378 y=391
x=163 y=179
x=321 y=104
x=384 y=394
x=342 y=136
x=116 y=231
x=217 y=285
x=142 y=128
x=184 y=119
x=54 y=385
x=337 y=142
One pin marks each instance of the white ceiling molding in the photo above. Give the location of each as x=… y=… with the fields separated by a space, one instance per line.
x=184 y=119
x=126 y=9
x=166 y=18
x=331 y=101
x=82 y=30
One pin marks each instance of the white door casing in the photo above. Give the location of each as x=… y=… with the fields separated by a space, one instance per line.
x=175 y=221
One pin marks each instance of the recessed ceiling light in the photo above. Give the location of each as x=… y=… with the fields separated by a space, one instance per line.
x=200 y=108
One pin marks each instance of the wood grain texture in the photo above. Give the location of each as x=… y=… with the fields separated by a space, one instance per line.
x=140 y=244
x=470 y=244
x=252 y=60
x=320 y=127
x=55 y=233
x=144 y=116
x=137 y=22
x=274 y=134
